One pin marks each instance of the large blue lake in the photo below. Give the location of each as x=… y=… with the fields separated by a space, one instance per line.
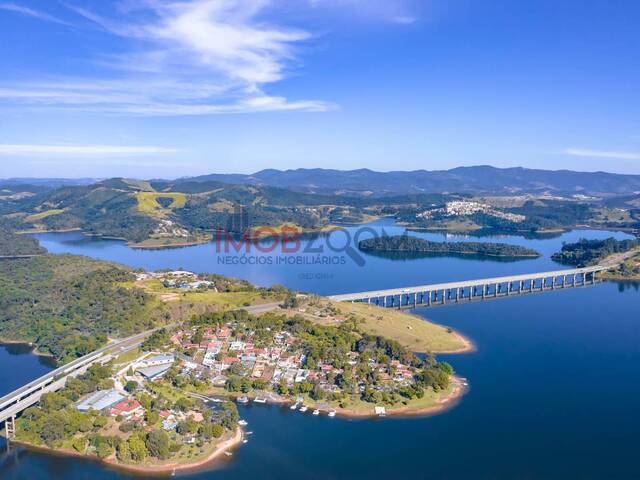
x=554 y=382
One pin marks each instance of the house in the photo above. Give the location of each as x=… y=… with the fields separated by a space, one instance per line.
x=156 y=360
x=127 y=408
x=100 y=400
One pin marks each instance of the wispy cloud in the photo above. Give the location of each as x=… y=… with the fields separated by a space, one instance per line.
x=82 y=150
x=580 y=152
x=188 y=57
x=30 y=12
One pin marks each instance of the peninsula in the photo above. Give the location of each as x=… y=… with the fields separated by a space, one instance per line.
x=408 y=244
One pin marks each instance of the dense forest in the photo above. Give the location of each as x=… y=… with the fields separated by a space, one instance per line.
x=406 y=243
x=13 y=245
x=69 y=305
x=589 y=252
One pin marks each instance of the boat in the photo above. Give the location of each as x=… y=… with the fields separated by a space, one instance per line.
x=245 y=441
x=316 y=412
x=249 y=433
x=294 y=406
x=243 y=399
x=304 y=408
x=260 y=400
x=228 y=454
x=242 y=423
x=332 y=413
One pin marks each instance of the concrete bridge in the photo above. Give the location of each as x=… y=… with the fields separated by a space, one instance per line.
x=469 y=290
x=24 y=397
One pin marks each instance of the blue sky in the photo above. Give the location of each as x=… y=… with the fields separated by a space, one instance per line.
x=153 y=88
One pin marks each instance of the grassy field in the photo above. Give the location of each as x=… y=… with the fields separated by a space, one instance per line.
x=197 y=299
x=148 y=202
x=42 y=215
x=409 y=330
x=163 y=242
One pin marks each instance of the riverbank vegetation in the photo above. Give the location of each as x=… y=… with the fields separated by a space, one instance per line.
x=70 y=305
x=590 y=252
x=408 y=244
x=134 y=434
x=13 y=245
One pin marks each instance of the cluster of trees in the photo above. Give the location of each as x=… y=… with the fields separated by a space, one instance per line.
x=331 y=344
x=56 y=419
x=12 y=244
x=406 y=243
x=589 y=252
x=68 y=305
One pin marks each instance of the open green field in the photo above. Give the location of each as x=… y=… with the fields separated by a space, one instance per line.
x=42 y=215
x=409 y=330
x=149 y=205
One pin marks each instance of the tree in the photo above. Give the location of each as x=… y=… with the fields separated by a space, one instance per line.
x=137 y=448
x=131 y=386
x=79 y=444
x=152 y=417
x=124 y=454
x=53 y=428
x=104 y=450
x=100 y=422
x=157 y=444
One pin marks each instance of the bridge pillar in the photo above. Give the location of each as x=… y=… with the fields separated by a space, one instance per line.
x=593 y=278
x=10 y=428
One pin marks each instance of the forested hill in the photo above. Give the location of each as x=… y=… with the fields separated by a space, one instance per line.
x=138 y=211
x=13 y=245
x=68 y=305
x=406 y=243
x=589 y=252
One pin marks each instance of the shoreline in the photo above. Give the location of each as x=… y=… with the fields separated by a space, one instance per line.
x=441 y=405
x=166 y=469
x=31 y=345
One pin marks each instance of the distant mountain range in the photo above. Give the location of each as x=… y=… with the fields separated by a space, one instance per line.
x=469 y=180
x=475 y=180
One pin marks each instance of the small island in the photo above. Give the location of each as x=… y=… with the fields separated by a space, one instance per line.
x=408 y=244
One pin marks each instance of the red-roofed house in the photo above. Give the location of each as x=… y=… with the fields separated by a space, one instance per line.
x=127 y=408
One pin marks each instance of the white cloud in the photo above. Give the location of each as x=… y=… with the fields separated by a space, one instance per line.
x=13 y=7
x=185 y=57
x=82 y=150
x=579 y=152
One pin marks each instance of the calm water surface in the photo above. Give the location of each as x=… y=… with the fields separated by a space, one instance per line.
x=554 y=383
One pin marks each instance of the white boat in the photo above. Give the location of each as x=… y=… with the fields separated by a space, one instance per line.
x=260 y=400
x=316 y=412
x=242 y=423
x=243 y=399
x=245 y=441
x=332 y=413
x=249 y=433
x=294 y=406
x=228 y=454
x=304 y=408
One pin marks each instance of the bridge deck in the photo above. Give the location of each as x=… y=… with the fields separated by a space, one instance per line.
x=464 y=284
